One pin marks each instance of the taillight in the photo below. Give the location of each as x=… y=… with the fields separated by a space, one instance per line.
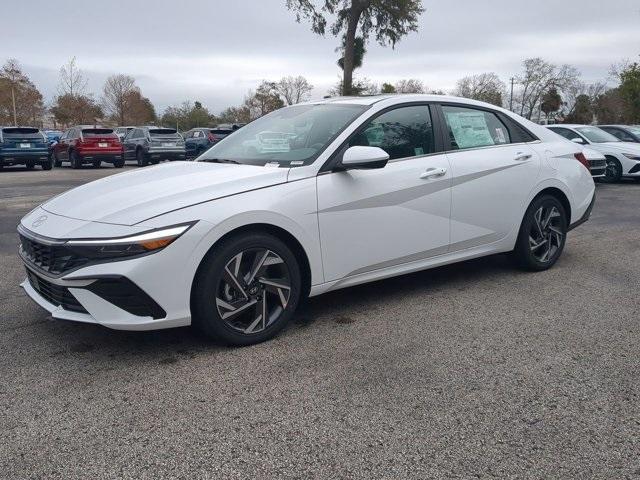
x=582 y=159
x=211 y=137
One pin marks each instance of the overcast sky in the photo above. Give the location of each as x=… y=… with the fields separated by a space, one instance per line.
x=215 y=50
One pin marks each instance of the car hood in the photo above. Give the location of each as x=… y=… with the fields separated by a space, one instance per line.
x=132 y=197
x=620 y=147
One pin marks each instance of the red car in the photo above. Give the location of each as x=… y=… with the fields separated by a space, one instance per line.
x=88 y=145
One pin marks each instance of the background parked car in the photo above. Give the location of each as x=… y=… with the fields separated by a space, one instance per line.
x=198 y=140
x=623 y=158
x=88 y=144
x=153 y=144
x=624 y=133
x=122 y=132
x=52 y=135
x=24 y=146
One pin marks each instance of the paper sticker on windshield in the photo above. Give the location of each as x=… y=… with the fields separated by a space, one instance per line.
x=500 y=136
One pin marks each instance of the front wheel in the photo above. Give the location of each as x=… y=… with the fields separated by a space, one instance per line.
x=246 y=290
x=542 y=234
x=613 y=171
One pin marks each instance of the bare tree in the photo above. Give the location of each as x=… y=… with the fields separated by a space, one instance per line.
x=411 y=85
x=577 y=90
x=20 y=100
x=538 y=77
x=485 y=87
x=294 y=89
x=117 y=93
x=72 y=80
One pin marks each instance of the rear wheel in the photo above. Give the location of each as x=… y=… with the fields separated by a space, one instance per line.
x=56 y=161
x=246 y=290
x=142 y=162
x=119 y=163
x=542 y=234
x=613 y=171
x=75 y=160
x=48 y=165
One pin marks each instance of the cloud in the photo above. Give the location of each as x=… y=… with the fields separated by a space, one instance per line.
x=216 y=51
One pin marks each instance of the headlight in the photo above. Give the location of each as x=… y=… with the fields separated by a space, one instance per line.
x=632 y=156
x=141 y=243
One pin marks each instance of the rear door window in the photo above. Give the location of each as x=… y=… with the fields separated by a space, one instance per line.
x=473 y=128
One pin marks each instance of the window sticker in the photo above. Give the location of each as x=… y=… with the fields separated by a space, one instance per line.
x=469 y=129
x=418 y=151
x=502 y=138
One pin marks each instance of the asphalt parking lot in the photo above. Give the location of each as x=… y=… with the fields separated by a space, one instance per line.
x=469 y=371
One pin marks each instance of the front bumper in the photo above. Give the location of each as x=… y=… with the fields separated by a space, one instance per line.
x=87 y=294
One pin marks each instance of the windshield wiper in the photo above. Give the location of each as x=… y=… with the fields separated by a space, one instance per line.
x=220 y=160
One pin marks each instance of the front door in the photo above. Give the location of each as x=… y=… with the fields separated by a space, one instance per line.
x=375 y=219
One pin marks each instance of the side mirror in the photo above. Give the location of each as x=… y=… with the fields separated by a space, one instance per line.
x=578 y=140
x=362 y=158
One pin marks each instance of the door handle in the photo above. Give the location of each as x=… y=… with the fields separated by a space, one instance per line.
x=433 y=173
x=522 y=157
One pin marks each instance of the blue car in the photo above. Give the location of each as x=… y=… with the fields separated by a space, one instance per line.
x=24 y=146
x=52 y=135
x=199 y=140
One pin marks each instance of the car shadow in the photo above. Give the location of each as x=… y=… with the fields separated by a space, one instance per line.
x=169 y=346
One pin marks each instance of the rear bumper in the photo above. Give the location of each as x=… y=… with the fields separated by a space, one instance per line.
x=586 y=214
x=22 y=157
x=103 y=156
x=161 y=154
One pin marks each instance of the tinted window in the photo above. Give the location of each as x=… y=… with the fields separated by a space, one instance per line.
x=619 y=133
x=221 y=131
x=403 y=132
x=565 y=132
x=15 y=132
x=471 y=128
x=162 y=131
x=96 y=132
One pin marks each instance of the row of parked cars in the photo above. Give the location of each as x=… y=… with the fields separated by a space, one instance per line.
x=613 y=150
x=93 y=145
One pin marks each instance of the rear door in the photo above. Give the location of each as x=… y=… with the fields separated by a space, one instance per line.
x=493 y=171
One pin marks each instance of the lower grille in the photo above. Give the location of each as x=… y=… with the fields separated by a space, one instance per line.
x=55 y=294
x=597 y=163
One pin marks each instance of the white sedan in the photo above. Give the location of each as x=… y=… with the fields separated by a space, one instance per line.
x=367 y=189
x=623 y=158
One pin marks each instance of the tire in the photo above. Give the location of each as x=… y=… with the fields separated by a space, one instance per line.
x=214 y=314
x=142 y=162
x=96 y=163
x=30 y=165
x=48 y=165
x=75 y=160
x=542 y=235
x=613 y=172
x=119 y=163
x=56 y=162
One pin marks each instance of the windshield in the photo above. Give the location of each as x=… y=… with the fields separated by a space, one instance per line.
x=291 y=136
x=596 y=135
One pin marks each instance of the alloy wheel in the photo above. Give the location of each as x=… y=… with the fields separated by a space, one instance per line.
x=546 y=235
x=253 y=291
x=611 y=171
